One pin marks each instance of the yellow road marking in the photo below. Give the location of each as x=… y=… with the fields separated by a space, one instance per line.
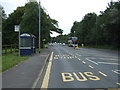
x=91 y=76
x=47 y=75
x=102 y=73
x=91 y=66
x=68 y=77
x=79 y=79
x=51 y=57
x=118 y=83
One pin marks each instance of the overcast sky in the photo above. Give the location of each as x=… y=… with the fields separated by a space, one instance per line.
x=64 y=11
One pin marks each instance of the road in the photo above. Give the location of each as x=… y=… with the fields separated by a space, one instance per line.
x=82 y=68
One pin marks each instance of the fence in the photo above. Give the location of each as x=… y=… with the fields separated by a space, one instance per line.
x=9 y=48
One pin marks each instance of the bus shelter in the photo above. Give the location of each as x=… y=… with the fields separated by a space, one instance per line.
x=27 y=44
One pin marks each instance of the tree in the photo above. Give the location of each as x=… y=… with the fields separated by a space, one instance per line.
x=30 y=22
x=9 y=35
x=27 y=18
x=99 y=30
x=60 y=38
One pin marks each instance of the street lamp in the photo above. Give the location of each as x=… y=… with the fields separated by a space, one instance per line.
x=74 y=33
x=74 y=37
x=96 y=30
x=39 y=25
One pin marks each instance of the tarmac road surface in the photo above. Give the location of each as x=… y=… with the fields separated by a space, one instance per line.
x=82 y=68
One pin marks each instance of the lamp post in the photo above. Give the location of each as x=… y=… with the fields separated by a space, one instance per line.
x=74 y=33
x=39 y=25
x=96 y=30
x=74 y=37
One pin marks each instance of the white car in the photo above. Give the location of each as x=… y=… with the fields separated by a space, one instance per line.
x=63 y=44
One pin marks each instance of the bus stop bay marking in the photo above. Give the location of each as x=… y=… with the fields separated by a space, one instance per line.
x=63 y=57
x=67 y=77
x=55 y=57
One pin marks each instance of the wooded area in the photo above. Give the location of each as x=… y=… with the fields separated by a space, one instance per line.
x=99 y=30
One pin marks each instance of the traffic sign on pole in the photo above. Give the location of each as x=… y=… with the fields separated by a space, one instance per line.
x=17 y=27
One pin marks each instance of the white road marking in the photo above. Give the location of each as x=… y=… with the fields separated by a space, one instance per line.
x=64 y=57
x=102 y=73
x=78 y=58
x=75 y=57
x=83 y=62
x=116 y=71
x=108 y=63
x=92 y=61
x=78 y=54
x=108 y=59
x=91 y=66
x=55 y=57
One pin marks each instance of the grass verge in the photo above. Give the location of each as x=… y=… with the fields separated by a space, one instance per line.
x=11 y=60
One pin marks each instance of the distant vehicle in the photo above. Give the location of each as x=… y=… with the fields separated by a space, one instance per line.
x=72 y=42
x=50 y=44
x=63 y=44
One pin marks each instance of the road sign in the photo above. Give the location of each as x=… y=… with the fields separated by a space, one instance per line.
x=17 y=27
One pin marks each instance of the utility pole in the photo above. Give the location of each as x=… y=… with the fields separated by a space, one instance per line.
x=17 y=29
x=39 y=25
x=96 y=30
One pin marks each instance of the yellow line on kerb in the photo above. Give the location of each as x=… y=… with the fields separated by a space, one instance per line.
x=102 y=73
x=47 y=74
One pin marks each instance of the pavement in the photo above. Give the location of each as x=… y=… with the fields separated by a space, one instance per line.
x=26 y=74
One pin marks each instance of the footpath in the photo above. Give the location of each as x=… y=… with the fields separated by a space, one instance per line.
x=26 y=74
